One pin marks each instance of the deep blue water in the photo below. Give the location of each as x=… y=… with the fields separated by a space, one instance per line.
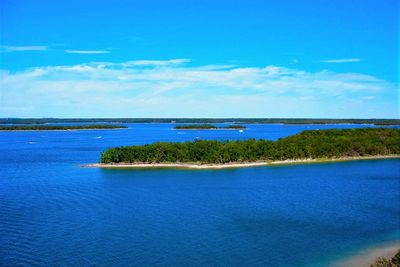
x=54 y=212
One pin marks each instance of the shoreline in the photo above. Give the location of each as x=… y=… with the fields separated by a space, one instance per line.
x=61 y=130
x=211 y=129
x=367 y=256
x=234 y=165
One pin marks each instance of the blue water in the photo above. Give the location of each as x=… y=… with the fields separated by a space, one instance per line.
x=54 y=212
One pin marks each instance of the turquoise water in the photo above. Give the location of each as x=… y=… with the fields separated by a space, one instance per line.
x=54 y=212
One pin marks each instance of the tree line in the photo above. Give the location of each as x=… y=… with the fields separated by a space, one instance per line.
x=200 y=120
x=208 y=127
x=314 y=144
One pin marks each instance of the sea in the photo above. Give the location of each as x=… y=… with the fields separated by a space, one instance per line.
x=56 y=212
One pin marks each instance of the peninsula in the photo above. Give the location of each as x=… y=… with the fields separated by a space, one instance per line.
x=208 y=127
x=307 y=146
x=60 y=127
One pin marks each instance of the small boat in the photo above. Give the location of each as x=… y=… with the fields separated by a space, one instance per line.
x=99 y=137
x=240 y=131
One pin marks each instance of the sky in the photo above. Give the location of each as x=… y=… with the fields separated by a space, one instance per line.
x=187 y=58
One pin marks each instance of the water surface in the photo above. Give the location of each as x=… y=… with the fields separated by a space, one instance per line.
x=53 y=212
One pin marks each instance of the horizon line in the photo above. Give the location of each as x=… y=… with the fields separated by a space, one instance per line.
x=208 y=118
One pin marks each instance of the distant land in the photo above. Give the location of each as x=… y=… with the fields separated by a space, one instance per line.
x=200 y=120
x=208 y=127
x=323 y=145
x=60 y=128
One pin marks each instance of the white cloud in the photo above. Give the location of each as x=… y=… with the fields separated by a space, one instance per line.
x=171 y=88
x=160 y=62
x=341 y=60
x=7 y=48
x=87 y=51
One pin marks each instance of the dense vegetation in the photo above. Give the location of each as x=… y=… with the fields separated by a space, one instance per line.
x=203 y=120
x=308 y=144
x=208 y=127
x=59 y=127
x=234 y=127
x=384 y=262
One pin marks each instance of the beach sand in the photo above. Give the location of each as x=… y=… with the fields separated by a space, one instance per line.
x=232 y=165
x=368 y=256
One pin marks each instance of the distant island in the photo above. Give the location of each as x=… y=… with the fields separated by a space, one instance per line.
x=209 y=127
x=60 y=128
x=201 y=120
x=310 y=145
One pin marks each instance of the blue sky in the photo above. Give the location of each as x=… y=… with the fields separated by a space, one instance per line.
x=170 y=58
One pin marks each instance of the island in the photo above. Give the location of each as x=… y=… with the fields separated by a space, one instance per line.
x=60 y=127
x=208 y=127
x=307 y=146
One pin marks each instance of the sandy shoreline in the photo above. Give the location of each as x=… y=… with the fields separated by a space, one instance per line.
x=368 y=256
x=232 y=165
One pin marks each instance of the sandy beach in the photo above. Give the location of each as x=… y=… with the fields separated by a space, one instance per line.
x=366 y=257
x=233 y=165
